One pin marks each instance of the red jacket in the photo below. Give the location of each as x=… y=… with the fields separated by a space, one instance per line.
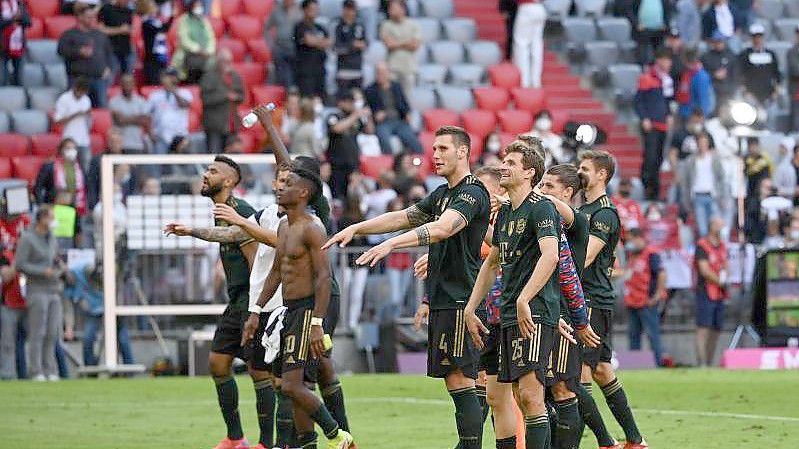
x=717 y=258
x=639 y=287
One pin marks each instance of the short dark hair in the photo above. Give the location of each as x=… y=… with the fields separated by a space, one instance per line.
x=42 y=211
x=81 y=83
x=459 y=135
x=311 y=179
x=488 y=170
x=663 y=52
x=531 y=158
x=307 y=163
x=63 y=142
x=231 y=163
x=307 y=3
x=568 y=175
x=690 y=55
x=602 y=160
x=535 y=145
x=698 y=112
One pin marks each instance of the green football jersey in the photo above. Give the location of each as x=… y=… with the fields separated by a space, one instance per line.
x=237 y=271
x=604 y=224
x=577 y=236
x=517 y=234
x=453 y=263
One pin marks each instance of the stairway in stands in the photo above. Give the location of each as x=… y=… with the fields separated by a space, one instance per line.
x=566 y=98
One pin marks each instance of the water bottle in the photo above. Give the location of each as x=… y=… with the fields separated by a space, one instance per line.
x=251 y=119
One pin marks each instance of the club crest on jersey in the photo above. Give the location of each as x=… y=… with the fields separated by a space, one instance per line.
x=548 y=223
x=521 y=225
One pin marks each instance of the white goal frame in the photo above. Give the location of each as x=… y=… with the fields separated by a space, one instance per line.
x=112 y=309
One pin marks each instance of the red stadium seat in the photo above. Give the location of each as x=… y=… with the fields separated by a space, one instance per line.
x=477 y=148
x=5 y=168
x=436 y=118
x=260 y=9
x=479 y=122
x=373 y=166
x=14 y=145
x=36 y=30
x=559 y=119
x=113 y=91
x=259 y=51
x=516 y=122
x=236 y=47
x=505 y=139
x=229 y=8
x=101 y=120
x=45 y=145
x=27 y=167
x=245 y=27
x=491 y=98
x=531 y=100
x=43 y=8
x=248 y=141
x=55 y=25
x=251 y=73
x=218 y=25
x=195 y=121
x=135 y=34
x=97 y=144
x=427 y=138
x=504 y=75
x=268 y=94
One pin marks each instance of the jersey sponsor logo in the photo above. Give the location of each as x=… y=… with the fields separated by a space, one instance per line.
x=521 y=225
x=601 y=226
x=547 y=223
x=467 y=198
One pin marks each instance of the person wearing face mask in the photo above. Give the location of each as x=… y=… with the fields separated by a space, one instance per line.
x=196 y=43
x=62 y=175
x=36 y=257
x=630 y=213
x=703 y=184
x=73 y=112
x=553 y=143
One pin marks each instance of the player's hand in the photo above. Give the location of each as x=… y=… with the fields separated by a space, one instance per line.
x=250 y=327
x=264 y=115
x=525 y=319
x=317 y=341
x=566 y=331
x=422 y=314
x=589 y=337
x=375 y=255
x=476 y=329
x=420 y=267
x=496 y=202
x=343 y=238
x=227 y=213
x=177 y=229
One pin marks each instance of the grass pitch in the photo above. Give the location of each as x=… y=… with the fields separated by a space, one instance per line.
x=685 y=409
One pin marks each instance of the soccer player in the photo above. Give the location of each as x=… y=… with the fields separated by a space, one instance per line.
x=604 y=234
x=525 y=247
x=219 y=180
x=453 y=221
x=302 y=268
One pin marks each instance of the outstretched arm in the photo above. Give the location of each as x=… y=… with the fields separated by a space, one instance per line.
x=564 y=209
x=388 y=222
x=255 y=230
x=219 y=234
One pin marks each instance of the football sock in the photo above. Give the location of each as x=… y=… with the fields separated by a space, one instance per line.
x=591 y=416
x=468 y=418
x=284 y=423
x=307 y=440
x=617 y=402
x=480 y=390
x=552 y=414
x=265 y=405
x=507 y=443
x=228 y=395
x=570 y=425
x=334 y=401
x=325 y=420
x=537 y=435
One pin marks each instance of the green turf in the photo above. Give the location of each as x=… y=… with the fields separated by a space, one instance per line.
x=391 y=412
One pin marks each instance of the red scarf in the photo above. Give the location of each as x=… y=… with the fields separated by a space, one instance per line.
x=79 y=201
x=683 y=94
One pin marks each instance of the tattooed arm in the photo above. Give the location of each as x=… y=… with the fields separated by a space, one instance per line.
x=220 y=234
x=388 y=222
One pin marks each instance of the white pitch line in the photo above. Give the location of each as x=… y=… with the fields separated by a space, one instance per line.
x=717 y=414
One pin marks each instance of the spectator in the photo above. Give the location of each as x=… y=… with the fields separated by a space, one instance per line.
x=116 y=21
x=325 y=172
x=354 y=275
x=376 y=203
x=645 y=287
x=791 y=233
x=722 y=17
x=391 y=111
x=169 y=111
x=368 y=12
x=759 y=69
x=196 y=43
x=87 y=52
x=630 y=214
x=655 y=87
x=649 y=20
x=787 y=177
x=406 y=172
x=711 y=291
x=290 y=119
x=683 y=143
x=303 y=137
x=283 y=19
x=222 y=92
x=150 y=187
x=793 y=80
x=674 y=43
x=12 y=309
x=402 y=37
x=399 y=269
x=745 y=9
x=350 y=42
x=553 y=143
x=722 y=65
x=156 y=52
x=36 y=258
x=73 y=112
x=703 y=184
x=757 y=167
x=343 y=153
x=68 y=6
x=131 y=115
x=689 y=21
x=312 y=40
x=528 y=41
x=14 y=18
x=114 y=142
x=493 y=143
x=62 y=175
x=508 y=10
x=696 y=87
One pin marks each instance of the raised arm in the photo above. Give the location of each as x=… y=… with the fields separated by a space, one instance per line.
x=255 y=230
x=314 y=239
x=278 y=147
x=388 y=222
x=218 y=234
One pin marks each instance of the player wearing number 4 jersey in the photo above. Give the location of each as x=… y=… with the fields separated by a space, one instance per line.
x=453 y=221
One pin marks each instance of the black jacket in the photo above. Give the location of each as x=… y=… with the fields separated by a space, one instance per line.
x=709 y=20
x=69 y=46
x=374 y=97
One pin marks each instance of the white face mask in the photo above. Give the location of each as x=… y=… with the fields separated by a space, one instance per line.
x=53 y=225
x=543 y=124
x=71 y=154
x=494 y=146
x=318 y=108
x=696 y=129
x=653 y=216
x=198 y=10
x=358 y=104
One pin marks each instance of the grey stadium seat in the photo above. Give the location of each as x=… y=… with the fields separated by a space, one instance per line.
x=430 y=28
x=43 y=98
x=457 y=99
x=32 y=75
x=440 y=9
x=780 y=48
x=595 y=8
x=431 y=74
x=792 y=9
x=330 y=8
x=578 y=31
x=30 y=122
x=375 y=52
x=468 y=75
x=601 y=54
x=557 y=10
x=43 y=51
x=624 y=82
x=422 y=99
x=12 y=98
x=618 y=30
x=771 y=9
x=484 y=53
x=422 y=54
x=786 y=28
x=447 y=53
x=461 y=29
x=57 y=76
x=5 y=123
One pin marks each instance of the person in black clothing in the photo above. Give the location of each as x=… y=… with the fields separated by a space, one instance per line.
x=343 y=152
x=759 y=68
x=722 y=65
x=116 y=21
x=113 y=146
x=508 y=9
x=650 y=34
x=312 y=40
x=350 y=41
x=13 y=21
x=675 y=44
x=390 y=108
x=156 y=53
